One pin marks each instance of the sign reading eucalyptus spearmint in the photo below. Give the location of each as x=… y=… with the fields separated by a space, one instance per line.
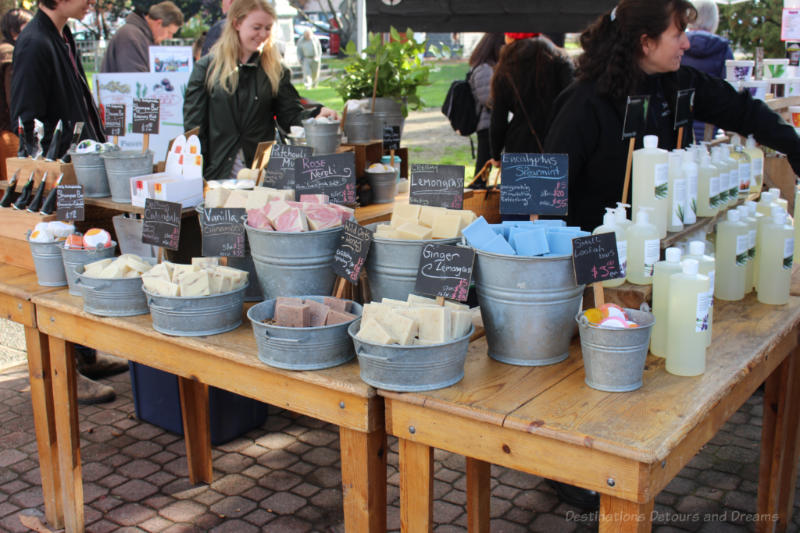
x=534 y=184
x=437 y=185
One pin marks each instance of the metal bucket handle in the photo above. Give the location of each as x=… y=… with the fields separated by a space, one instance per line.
x=582 y=320
x=373 y=357
x=279 y=339
x=99 y=286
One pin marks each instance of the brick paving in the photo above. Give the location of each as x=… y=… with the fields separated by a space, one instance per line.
x=284 y=478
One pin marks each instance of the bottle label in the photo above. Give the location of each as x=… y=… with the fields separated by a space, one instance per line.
x=788 y=253
x=622 y=252
x=744 y=177
x=713 y=192
x=723 y=187
x=691 y=196
x=661 y=180
x=652 y=251
x=751 y=250
x=678 y=202
x=701 y=321
x=742 y=248
x=711 y=290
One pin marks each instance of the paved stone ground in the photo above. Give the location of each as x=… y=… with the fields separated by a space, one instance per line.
x=284 y=477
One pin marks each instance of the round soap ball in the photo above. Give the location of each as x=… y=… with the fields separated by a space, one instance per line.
x=41 y=233
x=60 y=230
x=97 y=237
x=74 y=242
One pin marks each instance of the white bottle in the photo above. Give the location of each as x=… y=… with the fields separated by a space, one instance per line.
x=775 y=269
x=776 y=193
x=733 y=174
x=697 y=251
x=761 y=222
x=690 y=171
x=757 y=164
x=651 y=182
x=750 y=222
x=622 y=215
x=732 y=245
x=661 y=290
x=677 y=191
x=610 y=226
x=765 y=203
x=724 y=175
x=707 y=187
x=688 y=320
x=643 y=248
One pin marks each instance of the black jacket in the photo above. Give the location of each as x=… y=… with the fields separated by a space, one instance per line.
x=588 y=127
x=45 y=85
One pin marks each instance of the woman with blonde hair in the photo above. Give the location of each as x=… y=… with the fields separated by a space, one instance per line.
x=239 y=89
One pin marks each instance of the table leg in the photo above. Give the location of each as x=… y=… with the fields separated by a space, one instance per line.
x=416 y=487
x=196 y=429
x=623 y=516
x=65 y=402
x=45 y=423
x=363 y=480
x=478 y=495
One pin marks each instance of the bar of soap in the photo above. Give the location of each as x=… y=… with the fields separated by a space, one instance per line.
x=406 y=211
x=194 y=284
x=391 y=301
x=338 y=317
x=497 y=245
x=434 y=324
x=160 y=286
x=446 y=226
x=219 y=283
x=397 y=221
x=116 y=269
x=385 y=231
x=460 y=322
x=372 y=331
x=238 y=277
x=315 y=198
x=318 y=313
x=93 y=269
x=160 y=271
x=216 y=197
x=179 y=270
x=291 y=220
x=205 y=262
x=401 y=328
x=479 y=234
x=237 y=198
x=416 y=299
x=292 y=315
x=321 y=217
x=560 y=239
x=530 y=242
x=428 y=214
x=258 y=198
x=337 y=304
x=413 y=231
x=467 y=217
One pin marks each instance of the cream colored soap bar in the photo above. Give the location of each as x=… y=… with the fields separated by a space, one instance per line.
x=179 y=270
x=117 y=269
x=416 y=299
x=160 y=286
x=194 y=284
x=402 y=329
x=134 y=262
x=434 y=324
x=205 y=262
x=385 y=231
x=219 y=283
x=396 y=221
x=467 y=217
x=258 y=198
x=160 y=271
x=413 y=231
x=216 y=197
x=238 y=277
x=446 y=226
x=428 y=214
x=93 y=269
x=237 y=198
x=460 y=322
x=392 y=302
x=372 y=331
x=406 y=211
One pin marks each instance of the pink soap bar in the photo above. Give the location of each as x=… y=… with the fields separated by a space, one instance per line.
x=292 y=316
x=273 y=210
x=257 y=219
x=291 y=220
x=337 y=304
x=322 y=217
x=337 y=317
x=314 y=198
x=318 y=312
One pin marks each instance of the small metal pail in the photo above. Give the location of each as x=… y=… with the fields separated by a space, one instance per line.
x=194 y=316
x=384 y=186
x=90 y=171
x=48 y=263
x=75 y=258
x=112 y=296
x=121 y=166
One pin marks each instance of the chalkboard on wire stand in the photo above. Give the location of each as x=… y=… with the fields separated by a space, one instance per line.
x=115 y=121
x=534 y=184
x=437 y=185
x=69 y=203
x=391 y=138
x=161 y=225
x=445 y=271
x=595 y=260
x=280 y=170
x=334 y=175
x=351 y=254
x=146 y=114
x=223 y=232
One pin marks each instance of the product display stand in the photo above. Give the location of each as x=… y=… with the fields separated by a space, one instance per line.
x=626 y=186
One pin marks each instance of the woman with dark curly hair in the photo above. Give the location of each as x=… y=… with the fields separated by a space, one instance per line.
x=636 y=49
x=482 y=62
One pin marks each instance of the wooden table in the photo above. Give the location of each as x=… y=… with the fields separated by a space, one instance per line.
x=228 y=361
x=626 y=446
x=17 y=287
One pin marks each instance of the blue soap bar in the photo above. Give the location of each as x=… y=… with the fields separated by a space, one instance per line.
x=498 y=245
x=479 y=233
x=517 y=223
x=560 y=242
x=500 y=229
x=551 y=222
x=531 y=242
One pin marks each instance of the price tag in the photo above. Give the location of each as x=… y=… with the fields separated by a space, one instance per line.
x=534 y=184
x=684 y=105
x=352 y=251
x=437 y=185
x=445 y=271
x=146 y=113
x=115 y=120
x=391 y=137
x=280 y=169
x=223 y=232
x=635 y=116
x=69 y=203
x=595 y=258
x=334 y=175
x=162 y=223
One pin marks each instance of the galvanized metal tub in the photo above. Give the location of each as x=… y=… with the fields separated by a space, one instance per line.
x=360 y=127
x=324 y=138
x=528 y=305
x=411 y=368
x=392 y=265
x=75 y=258
x=195 y=316
x=112 y=297
x=300 y=348
x=614 y=358
x=121 y=166
x=48 y=263
x=90 y=171
x=289 y=264
x=384 y=186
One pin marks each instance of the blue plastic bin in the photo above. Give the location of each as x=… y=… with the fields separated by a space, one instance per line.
x=157 y=400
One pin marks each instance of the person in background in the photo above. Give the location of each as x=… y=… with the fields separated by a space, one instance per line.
x=197 y=46
x=239 y=89
x=129 y=49
x=216 y=29
x=10 y=26
x=707 y=52
x=309 y=52
x=482 y=62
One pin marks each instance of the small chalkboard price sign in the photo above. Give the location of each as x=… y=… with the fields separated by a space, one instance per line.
x=437 y=185
x=69 y=203
x=445 y=271
x=334 y=175
x=115 y=120
x=162 y=223
x=635 y=116
x=684 y=103
x=391 y=137
x=223 y=232
x=351 y=254
x=595 y=258
x=534 y=184
x=279 y=172
x=146 y=113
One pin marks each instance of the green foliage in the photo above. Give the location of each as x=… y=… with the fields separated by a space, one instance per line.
x=752 y=24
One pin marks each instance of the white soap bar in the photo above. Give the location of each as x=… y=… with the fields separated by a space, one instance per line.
x=169 y=268
x=135 y=262
x=238 y=277
x=219 y=283
x=461 y=321
x=116 y=269
x=372 y=331
x=406 y=211
x=160 y=271
x=456 y=305
x=194 y=284
x=393 y=302
x=446 y=226
x=237 y=198
x=415 y=299
x=434 y=324
x=258 y=198
x=179 y=270
x=160 y=286
x=216 y=197
x=413 y=231
x=402 y=329
x=205 y=262
x=428 y=213
x=93 y=269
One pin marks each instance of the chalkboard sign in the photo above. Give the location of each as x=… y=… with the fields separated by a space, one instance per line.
x=635 y=116
x=391 y=137
x=69 y=203
x=162 y=223
x=595 y=258
x=334 y=175
x=146 y=113
x=279 y=172
x=223 y=232
x=352 y=251
x=445 y=270
x=684 y=104
x=437 y=185
x=115 y=120
x=534 y=184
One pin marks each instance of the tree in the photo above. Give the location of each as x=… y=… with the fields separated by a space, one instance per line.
x=752 y=24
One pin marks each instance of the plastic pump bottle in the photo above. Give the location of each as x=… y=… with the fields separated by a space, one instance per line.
x=741 y=157
x=676 y=196
x=643 y=248
x=610 y=226
x=707 y=187
x=733 y=174
x=776 y=193
x=757 y=164
x=761 y=222
x=775 y=270
x=690 y=172
x=661 y=290
x=751 y=222
x=651 y=182
x=722 y=169
x=688 y=321
x=697 y=251
x=622 y=215
x=732 y=245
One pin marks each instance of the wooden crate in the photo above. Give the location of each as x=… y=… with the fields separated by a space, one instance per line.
x=39 y=167
x=626 y=295
x=366 y=154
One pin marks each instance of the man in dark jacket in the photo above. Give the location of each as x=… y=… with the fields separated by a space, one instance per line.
x=215 y=30
x=129 y=49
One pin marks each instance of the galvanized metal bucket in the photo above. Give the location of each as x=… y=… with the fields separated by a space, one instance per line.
x=384 y=186
x=360 y=127
x=90 y=171
x=75 y=258
x=112 y=297
x=289 y=264
x=528 y=305
x=123 y=165
x=324 y=138
x=195 y=316
x=614 y=358
x=300 y=348
x=392 y=265
x=388 y=112
x=48 y=263
x=411 y=368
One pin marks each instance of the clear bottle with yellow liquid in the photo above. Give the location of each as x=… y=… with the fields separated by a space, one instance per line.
x=688 y=321
x=744 y=216
x=776 y=193
x=765 y=203
x=690 y=171
x=757 y=164
x=761 y=221
x=643 y=248
x=706 y=267
x=733 y=175
x=742 y=158
x=775 y=269
x=724 y=175
x=610 y=226
x=650 y=175
x=732 y=245
x=676 y=196
x=661 y=279
x=707 y=187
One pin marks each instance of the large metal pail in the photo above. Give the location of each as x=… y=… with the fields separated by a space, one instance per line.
x=90 y=171
x=75 y=258
x=411 y=368
x=301 y=348
x=289 y=264
x=123 y=165
x=614 y=358
x=48 y=263
x=392 y=265
x=194 y=316
x=360 y=127
x=528 y=305
x=114 y=296
x=324 y=138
